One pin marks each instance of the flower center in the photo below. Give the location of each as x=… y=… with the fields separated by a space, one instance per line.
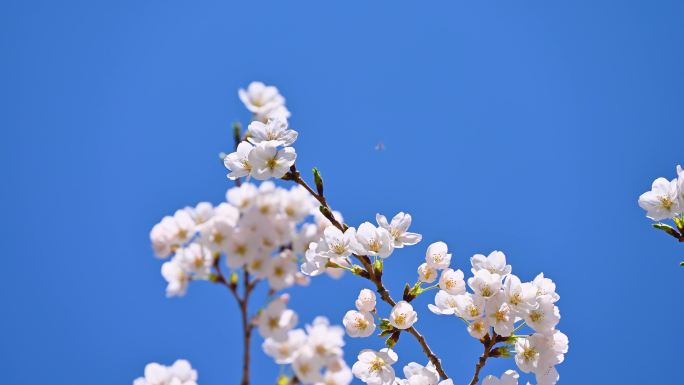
x=529 y=353
x=339 y=248
x=361 y=323
x=486 y=291
x=376 y=364
x=278 y=271
x=535 y=316
x=272 y=164
x=666 y=202
x=374 y=245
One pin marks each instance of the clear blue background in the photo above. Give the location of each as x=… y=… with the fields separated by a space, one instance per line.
x=529 y=127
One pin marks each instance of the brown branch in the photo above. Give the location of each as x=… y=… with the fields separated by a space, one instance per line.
x=243 y=304
x=488 y=343
x=295 y=176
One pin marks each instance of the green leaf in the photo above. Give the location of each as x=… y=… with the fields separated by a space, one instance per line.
x=668 y=229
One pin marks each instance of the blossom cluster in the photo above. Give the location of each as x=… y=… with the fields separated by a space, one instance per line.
x=666 y=198
x=499 y=300
x=315 y=353
x=266 y=151
x=260 y=229
x=180 y=373
x=369 y=240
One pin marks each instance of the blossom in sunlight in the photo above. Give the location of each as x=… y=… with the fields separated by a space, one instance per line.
x=445 y=304
x=341 y=376
x=274 y=131
x=281 y=270
x=283 y=352
x=263 y=101
x=375 y=367
x=485 y=284
x=521 y=297
x=495 y=263
x=326 y=340
x=372 y=241
x=417 y=374
x=307 y=366
x=176 y=277
x=510 y=377
x=359 y=324
x=662 y=202
x=426 y=273
x=276 y=320
x=545 y=287
x=469 y=306
x=545 y=317
x=398 y=229
x=314 y=262
x=478 y=328
x=500 y=316
x=452 y=282
x=437 y=256
x=180 y=373
x=238 y=162
x=338 y=244
x=366 y=300
x=403 y=316
x=172 y=232
x=269 y=162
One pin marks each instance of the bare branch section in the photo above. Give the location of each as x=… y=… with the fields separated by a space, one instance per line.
x=370 y=273
x=243 y=304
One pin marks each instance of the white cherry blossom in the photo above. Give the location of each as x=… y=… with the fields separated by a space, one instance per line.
x=283 y=352
x=510 y=377
x=372 y=241
x=452 y=282
x=485 y=284
x=426 y=273
x=276 y=320
x=521 y=297
x=176 y=277
x=478 y=328
x=468 y=306
x=269 y=162
x=545 y=317
x=359 y=324
x=662 y=202
x=366 y=301
x=274 y=131
x=445 y=304
x=545 y=286
x=495 y=263
x=403 y=316
x=437 y=256
x=397 y=229
x=238 y=162
x=338 y=244
x=263 y=101
x=375 y=367
x=180 y=373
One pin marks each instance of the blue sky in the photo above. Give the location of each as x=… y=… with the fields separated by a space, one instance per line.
x=527 y=127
